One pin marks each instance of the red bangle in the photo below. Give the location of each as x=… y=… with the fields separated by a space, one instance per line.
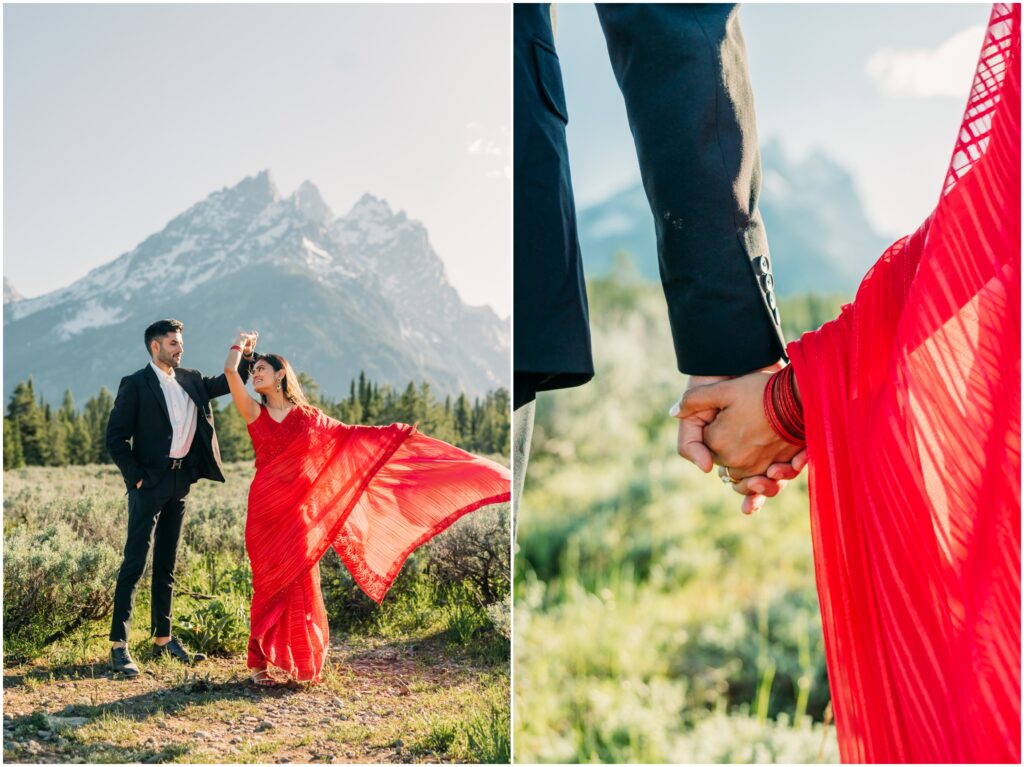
x=236 y=346
x=782 y=409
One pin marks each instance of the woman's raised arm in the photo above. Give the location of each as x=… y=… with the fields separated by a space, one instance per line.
x=247 y=406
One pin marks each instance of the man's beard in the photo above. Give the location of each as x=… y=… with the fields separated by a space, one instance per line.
x=171 y=360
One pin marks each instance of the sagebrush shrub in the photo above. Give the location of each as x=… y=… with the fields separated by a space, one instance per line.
x=475 y=550
x=215 y=628
x=53 y=583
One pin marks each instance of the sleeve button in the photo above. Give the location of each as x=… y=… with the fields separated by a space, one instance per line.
x=762 y=265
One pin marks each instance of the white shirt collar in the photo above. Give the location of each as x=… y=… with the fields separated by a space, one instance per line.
x=161 y=374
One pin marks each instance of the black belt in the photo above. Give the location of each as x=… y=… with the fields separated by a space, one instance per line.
x=175 y=463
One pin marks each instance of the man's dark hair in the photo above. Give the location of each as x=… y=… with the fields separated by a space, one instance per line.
x=161 y=328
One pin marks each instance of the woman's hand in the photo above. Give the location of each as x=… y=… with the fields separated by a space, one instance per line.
x=739 y=436
x=760 y=487
x=246 y=343
x=249 y=346
x=246 y=405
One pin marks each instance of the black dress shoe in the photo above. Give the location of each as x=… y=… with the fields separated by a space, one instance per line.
x=174 y=650
x=121 y=662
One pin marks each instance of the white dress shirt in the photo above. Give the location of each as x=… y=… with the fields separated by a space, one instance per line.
x=182 y=411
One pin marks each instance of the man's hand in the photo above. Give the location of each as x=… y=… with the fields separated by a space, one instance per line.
x=690 y=442
x=740 y=436
x=138 y=484
x=726 y=417
x=249 y=346
x=763 y=486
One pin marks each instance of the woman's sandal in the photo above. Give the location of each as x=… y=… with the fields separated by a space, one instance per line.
x=262 y=678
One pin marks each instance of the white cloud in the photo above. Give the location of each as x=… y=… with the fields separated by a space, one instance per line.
x=946 y=70
x=484 y=146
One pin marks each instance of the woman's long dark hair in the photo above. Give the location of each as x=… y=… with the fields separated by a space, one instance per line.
x=290 y=387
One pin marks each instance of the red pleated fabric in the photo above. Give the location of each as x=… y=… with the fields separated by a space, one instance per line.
x=374 y=493
x=912 y=407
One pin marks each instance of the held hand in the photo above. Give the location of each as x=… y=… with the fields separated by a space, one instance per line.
x=740 y=436
x=690 y=442
x=250 y=343
x=246 y=342
x=759 y=488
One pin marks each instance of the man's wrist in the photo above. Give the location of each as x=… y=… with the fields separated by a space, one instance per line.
x=697 y=380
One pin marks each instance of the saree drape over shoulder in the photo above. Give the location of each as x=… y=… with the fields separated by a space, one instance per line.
x=373 y=493
x=912 y=406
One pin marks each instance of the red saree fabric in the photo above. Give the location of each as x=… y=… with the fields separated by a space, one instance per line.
x=912 y=407
x=373 y=493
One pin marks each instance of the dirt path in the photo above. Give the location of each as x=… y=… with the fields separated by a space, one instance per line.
x=378 y=702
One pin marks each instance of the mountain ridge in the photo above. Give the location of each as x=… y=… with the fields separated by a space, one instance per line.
x=818 y=233
x=368 y=282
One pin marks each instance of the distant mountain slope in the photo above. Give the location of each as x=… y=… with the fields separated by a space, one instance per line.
x=11 y=293
x=819 y=236
x=364 y=291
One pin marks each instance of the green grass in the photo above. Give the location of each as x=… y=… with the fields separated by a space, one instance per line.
x=654 y=622
x=398 y=672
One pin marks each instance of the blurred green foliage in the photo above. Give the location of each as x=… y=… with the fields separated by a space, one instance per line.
x=653 y=621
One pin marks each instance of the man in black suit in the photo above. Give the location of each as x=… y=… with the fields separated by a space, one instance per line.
x=682 y=71
x=161 y=437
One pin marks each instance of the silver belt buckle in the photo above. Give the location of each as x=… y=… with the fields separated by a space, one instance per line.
x=176 y=463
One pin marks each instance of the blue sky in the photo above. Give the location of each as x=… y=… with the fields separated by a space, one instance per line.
x=119 y=117
x=880 y=88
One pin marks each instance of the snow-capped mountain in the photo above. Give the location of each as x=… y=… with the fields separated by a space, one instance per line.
x=336 y=295
x=11 y=293
x=819 y=236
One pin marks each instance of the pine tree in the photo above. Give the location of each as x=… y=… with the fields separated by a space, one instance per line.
x=232 y=434
x=55 y=448
x=67 y=408
x=80 y=447
x=310 y=388
x=31 y=420
x=13 y=456
x=96 y=414
x=463 y=420
x=37 y=435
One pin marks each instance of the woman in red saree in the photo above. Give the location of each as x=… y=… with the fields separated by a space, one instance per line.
x=910 y=406
x=373 y=493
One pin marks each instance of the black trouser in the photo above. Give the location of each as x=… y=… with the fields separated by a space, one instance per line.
x=155 y=516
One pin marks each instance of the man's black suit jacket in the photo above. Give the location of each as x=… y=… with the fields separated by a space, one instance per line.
x=139 y=431
x=682 y=71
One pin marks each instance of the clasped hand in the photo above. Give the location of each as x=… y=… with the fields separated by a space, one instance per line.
x=247 y=341
x=722 y=421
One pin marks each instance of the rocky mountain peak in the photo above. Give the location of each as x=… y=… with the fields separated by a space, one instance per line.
x=11 y=293
x=370 y=208
x=260 y=187
x=370 y=277
x=308 y=200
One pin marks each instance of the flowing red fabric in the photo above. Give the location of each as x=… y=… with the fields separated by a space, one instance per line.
x=373 y=493
x=912 y=407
